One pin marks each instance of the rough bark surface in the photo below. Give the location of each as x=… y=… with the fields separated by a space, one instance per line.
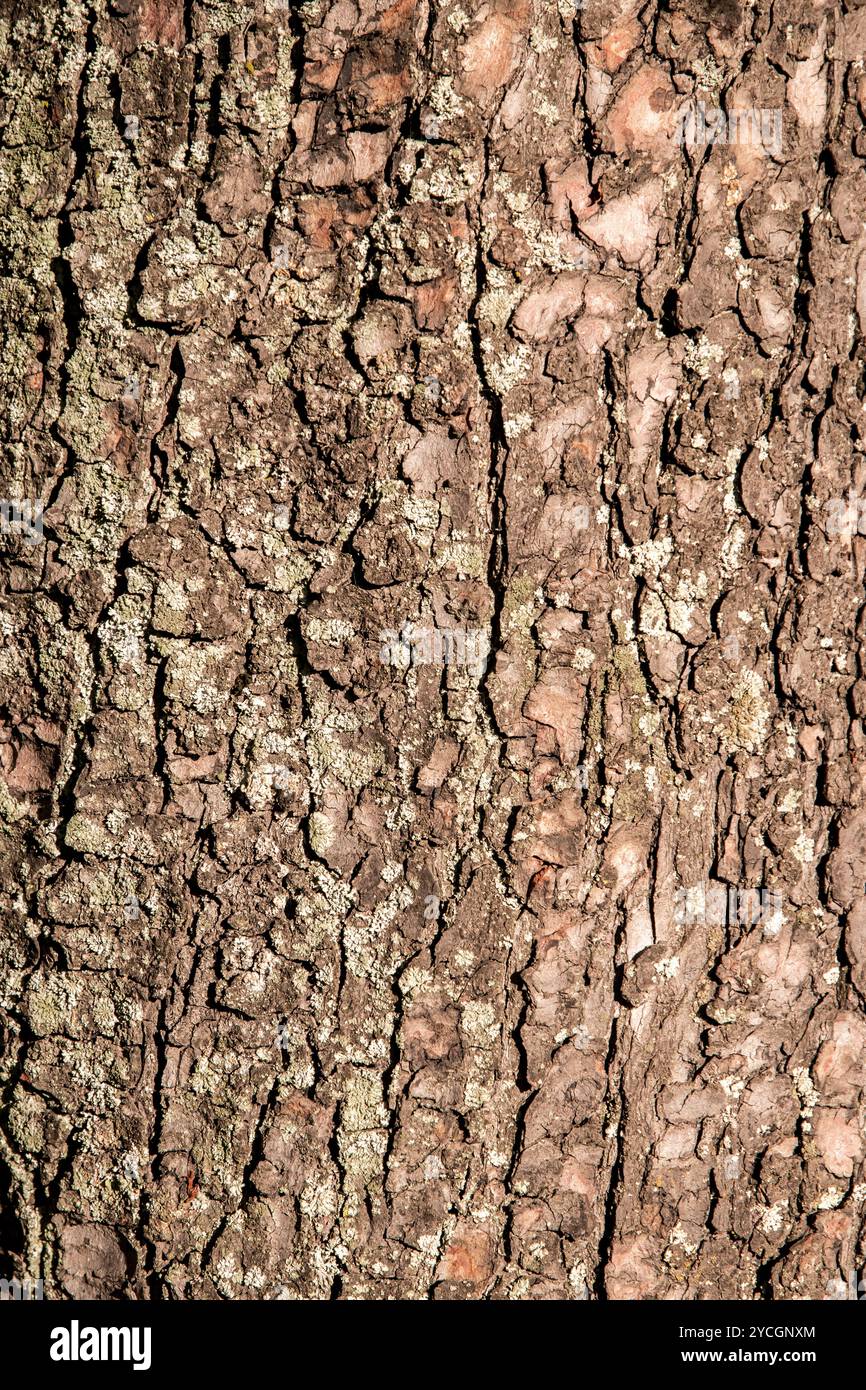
x=325 y=975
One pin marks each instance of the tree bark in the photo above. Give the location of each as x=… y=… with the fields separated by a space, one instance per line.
x=433 y=764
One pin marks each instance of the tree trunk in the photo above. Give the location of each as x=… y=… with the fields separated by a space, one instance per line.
x=432 y=781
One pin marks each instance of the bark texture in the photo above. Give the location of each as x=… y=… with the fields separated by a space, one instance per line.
x=325 y=974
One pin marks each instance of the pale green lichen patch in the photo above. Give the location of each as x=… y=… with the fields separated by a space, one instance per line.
x=748 y=717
